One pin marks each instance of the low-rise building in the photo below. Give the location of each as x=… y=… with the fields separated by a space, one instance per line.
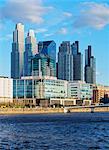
x=30 y=89
x=6 y=90
x=99 y=93
x=81 y=91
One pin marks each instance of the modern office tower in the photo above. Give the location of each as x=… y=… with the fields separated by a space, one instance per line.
x=43 y=65
x=65 y=62
x=47 y=48
x=90 y=66
x=17 y=54
x=30 y=51
x=77 y=62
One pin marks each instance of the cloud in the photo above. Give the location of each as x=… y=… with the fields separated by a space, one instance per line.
x=67 y=14
x=98 y=73
x=63 y=31
x=6 y=37
x=41 y=30
x=93 y=14
x=49 y=34
x=24 y=11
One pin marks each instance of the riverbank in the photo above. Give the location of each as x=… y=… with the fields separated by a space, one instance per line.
x=13 y=111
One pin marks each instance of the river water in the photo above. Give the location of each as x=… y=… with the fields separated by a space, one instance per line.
x=74 y=131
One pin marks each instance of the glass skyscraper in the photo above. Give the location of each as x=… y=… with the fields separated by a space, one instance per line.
x=17 y=54
x=90 y=66
x=47 y=48
x=43 y=65
x=77 y=62
x=65 y=62
x=30 y=51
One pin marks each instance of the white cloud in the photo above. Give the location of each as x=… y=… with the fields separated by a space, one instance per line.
x=6 y=38
x=41 y=30
x=63 y=31
x=49 y=34
x=67 y=14
x=24 y=11
x=98 y=73
x=93 y=14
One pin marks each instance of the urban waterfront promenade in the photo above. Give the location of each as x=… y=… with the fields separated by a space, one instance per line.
x=12 y=111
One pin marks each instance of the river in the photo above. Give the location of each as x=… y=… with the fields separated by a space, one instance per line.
x=73 y=131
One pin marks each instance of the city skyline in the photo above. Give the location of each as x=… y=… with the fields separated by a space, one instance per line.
x=95 y=35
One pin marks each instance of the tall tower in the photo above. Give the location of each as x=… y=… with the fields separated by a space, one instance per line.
x=77 y=62
x=17 y=51
x=65 y=61
x=47 y=48
x=90 y=66
x=43 y=65
x=30 y=51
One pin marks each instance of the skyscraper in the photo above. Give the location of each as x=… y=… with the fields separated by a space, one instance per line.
x=30 y=51
x=65 y=62
x=17 y=53
x=47 y=48
x=77 y=62
x=90 y=66
x=43 y=65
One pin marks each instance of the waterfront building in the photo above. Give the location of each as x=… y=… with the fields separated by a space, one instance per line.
x=77 y=62
x=65 y=62
x=30 y=51
x=99 y=93
x=47 y=48
x=34 y=87
x=17 y=54
x=90 y=66
x=80 y=90
x=6 y=90
x=43 y=65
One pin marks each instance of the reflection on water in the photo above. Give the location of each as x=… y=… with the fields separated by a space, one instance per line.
x=76 y=131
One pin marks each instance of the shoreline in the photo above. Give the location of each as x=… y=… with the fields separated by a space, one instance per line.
x=21 y=111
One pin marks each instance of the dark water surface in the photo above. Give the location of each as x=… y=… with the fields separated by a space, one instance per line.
x=75 y=131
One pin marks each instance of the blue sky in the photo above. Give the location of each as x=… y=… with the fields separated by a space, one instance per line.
x=59 y=20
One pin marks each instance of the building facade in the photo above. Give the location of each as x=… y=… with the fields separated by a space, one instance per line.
x=65 y=62
x=80 y=90
x=99 y=93
x=6 y=90
x=90 y=66
x=43 y=65
x=33 y=88
x=47 y=48
x=17 y=54
x=77 y=62
x=30 y=51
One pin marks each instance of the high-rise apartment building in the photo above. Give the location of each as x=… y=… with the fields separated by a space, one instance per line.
x=30 y=51
x=17 y=54
x=77 y=62
x=90 y=66
x=65 y=61
x=47 y=48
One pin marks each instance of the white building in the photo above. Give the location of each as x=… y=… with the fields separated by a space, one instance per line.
x=6 y=90
x=80 y=90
